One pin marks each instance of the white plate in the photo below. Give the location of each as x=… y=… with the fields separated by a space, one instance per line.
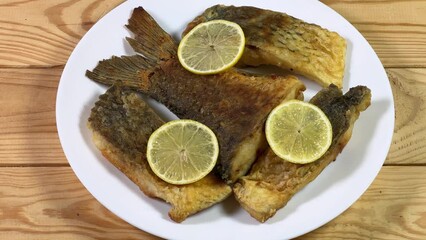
x=340 y=185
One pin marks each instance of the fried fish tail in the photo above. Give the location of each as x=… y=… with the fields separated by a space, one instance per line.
x=272 y=182
x=150 y=40
x=121 y=124
x=126 y=70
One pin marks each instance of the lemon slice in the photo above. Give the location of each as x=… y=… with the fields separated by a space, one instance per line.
x=182 y=151
x=298 y=132
x=212 y=47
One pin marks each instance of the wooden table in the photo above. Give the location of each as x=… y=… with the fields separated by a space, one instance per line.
x=41 y=198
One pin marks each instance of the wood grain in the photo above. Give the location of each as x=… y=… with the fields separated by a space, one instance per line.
x=392 y=208
x=396 y=29
x=409 y=139
x=28 y=133
x=50 y=203
x=43 y=33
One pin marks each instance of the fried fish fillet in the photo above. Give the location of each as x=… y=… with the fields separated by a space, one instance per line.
x=272 y=181
x=234 y=105
x=121 y=124
x=278 y=39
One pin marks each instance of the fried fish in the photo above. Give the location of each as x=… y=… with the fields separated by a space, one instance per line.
x=234 y=105
x=121 y=123
x=272 y=181
x=278 y=39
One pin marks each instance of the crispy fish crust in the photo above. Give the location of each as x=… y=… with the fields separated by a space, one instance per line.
x=121 y=124
x=272 y=181
x=278 y=39
x=234 y=105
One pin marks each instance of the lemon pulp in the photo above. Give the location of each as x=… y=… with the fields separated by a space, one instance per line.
x=212 y=47
x=298 y=132
x=182 y=151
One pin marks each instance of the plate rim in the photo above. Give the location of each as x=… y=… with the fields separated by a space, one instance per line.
x=60 y=127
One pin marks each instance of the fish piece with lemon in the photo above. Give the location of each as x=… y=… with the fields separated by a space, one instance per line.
x=298 y=132
x=272 y=181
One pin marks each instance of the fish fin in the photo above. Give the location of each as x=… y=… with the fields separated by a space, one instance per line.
x=127 y=70
x=149 y=38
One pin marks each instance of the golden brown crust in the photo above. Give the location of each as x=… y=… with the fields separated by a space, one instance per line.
x=232 y=104
x=272 y=182
x=185 y=200
x=118 y=122
x=278 y=39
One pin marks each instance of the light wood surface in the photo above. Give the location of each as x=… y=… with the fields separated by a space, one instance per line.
x=41 y=198
x=43 y=33
x=409 y=139
x=395 y=28
x=28 y=133
x=392 y=208
x=50 y=203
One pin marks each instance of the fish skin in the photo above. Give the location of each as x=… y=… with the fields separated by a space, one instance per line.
x=272 y=182
x=121 y=123
x=275 y=38
x=233 y=104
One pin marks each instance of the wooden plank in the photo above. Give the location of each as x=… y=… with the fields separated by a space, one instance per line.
x=50 y=203
x=28 y=132
x=43 y=33
x=409 y=140
x=396 y=29
x=392 y=208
